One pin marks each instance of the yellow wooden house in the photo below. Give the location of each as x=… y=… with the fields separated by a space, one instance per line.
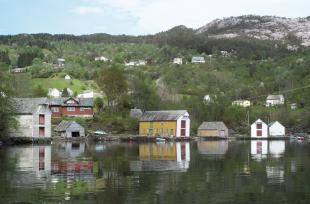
x=172 y=123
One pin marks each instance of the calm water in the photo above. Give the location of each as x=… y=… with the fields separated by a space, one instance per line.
x=202 y=172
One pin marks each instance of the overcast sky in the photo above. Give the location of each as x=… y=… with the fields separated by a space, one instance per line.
x=133 y=17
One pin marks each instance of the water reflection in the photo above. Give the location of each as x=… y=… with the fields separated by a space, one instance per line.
x=162 y=157
x=260 y=149
x=213 y=149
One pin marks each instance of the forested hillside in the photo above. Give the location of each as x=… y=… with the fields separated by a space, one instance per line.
x=250 y=69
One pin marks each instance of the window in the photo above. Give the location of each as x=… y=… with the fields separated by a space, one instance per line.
x=70 y=109
x=55 y=109
x=183 y=124
x=82 y=109
x=182 y=132
x=41 y=131
x=171 y=132
x=41 y=119
x=259 y=126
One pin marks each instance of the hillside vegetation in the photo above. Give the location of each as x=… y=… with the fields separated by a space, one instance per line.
x=251 y=69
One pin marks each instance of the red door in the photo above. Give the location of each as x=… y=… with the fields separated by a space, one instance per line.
x=259 y=133
x=183 y=128
x=41 y=132
x=182 y=132
x=41 y=119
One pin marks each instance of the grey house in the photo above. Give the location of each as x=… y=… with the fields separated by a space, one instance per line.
x=33 y=116
x=70 y=129
x=213 y=129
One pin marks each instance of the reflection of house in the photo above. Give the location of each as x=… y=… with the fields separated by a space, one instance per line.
x=242 y=103
x=32 y=159
x=276 y=148
x=162 y=157
x=259 y=149
x=273 y=100
x=70 y=149
x=174 y=123
x=198 y=60
x=213 y=129
x=275 y=174
x=276 y=129
x=69 y=129
x=33 y=116
x=259 y=129
x=213 y=149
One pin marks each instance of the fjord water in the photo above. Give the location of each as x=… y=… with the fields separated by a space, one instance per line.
x=198 y=172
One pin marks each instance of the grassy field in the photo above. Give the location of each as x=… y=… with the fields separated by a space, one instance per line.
x=76 y=85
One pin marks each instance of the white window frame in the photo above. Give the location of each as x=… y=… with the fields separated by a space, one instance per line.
x=55 y=109
x=70 y=109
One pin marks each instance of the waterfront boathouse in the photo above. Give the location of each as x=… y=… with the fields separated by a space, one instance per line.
x=259 y=129
x=213 y=129
x=276 y=129
x=171 y=123
x=70 y=129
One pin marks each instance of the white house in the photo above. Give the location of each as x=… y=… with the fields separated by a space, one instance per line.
x=89 y=94
x=242 y=103
x=34 y=118
x=177 y=60
x=198 y=60
x=259 y=129
x=276 y=129
x=209 y=99
x=273 y=100
x=60 y=62
x=67 y=77
x=54 y=93
x=136 y=63
x=101 y=58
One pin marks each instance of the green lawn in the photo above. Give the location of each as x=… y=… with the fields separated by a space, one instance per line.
x=74 y=84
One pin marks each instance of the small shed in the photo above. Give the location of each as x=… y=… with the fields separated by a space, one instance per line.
x=259 y=129
x=67 y=77
x=213 y=129
x=276 y=129
x=69 y=129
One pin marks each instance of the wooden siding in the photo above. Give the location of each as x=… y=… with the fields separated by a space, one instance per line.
x=157 y=128
x=157 y=152
x=208 y=133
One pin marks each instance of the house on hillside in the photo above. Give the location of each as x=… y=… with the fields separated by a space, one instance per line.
x=101 y=58
x=136 y=63
x=242 y=103
x=70 y=129
x=209 y=99
x=54 y=93
x=177 y=60
x=18 y=70
x=276 y=129
x=72 y=107
x=68 y=77
x=89 y=94
x=172 y=123
x=136 y=113
x=213 y=129
x=273 y=100
x=293 y=106
x=259 y=129
x=60 y=62
x=34 y=118
x=198 y=60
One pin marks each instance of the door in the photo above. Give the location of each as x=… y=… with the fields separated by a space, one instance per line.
x=183 y=128
x=41 y=131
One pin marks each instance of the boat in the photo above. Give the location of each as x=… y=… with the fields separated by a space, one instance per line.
x=158 y=139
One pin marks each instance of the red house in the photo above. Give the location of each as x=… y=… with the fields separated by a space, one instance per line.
x=72 y=107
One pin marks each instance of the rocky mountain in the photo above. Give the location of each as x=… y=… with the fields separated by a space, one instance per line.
x=293 y=30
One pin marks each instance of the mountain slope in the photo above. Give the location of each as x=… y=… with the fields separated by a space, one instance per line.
x=261 y=27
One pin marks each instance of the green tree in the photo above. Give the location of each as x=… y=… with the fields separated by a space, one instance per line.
x=113 y=82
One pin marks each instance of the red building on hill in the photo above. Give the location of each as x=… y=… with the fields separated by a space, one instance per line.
x=72 y=107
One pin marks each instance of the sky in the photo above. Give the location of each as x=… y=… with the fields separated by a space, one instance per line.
x=132 y=17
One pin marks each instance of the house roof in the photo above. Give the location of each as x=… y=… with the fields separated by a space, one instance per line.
x=272 y=123
x=84 y=102
x=274 y=97
x=212 y=125
x=28 y=105
x=64 y=125
x=167 y=115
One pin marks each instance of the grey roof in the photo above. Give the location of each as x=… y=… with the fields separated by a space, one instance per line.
x=274 y=97
x=212 y=126
x=167 y=115
x=64 y=125
x=272 y=123
x=84 y=102
x=27 y=105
